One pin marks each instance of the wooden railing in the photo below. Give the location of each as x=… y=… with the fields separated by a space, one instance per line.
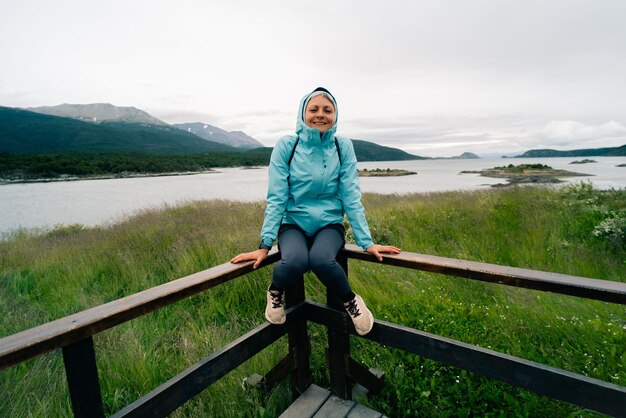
x=74 y=335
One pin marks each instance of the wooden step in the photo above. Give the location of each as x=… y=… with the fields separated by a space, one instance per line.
x=319 y=403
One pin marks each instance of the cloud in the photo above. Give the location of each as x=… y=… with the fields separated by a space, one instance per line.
x=569 y=130
x=575 y=134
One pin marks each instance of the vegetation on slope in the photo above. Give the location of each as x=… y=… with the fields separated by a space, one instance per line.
x=56 y=166
x=24 y=132
x=575 y=230
x=60 y=165
x=588 y=152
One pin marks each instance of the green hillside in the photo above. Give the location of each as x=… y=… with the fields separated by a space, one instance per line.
x=368 y=151
x=589 y=152
x=24 y=132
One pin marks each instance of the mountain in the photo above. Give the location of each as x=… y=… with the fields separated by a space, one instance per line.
x=99 y=112
x=368 y=151
x=235 y=139
x=466 y=156
x=589 y=152
x=106 y=112
x=25 y=132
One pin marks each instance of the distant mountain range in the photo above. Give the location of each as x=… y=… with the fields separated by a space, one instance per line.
x=235 y=139
x=368 y=151
x=99 y=112
x=108 y=128
x=589 y=152
x=25 y=132
x=464 y=156
x=103 y=127
x=105 y=112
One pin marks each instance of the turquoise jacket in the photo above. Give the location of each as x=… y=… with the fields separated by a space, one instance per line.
x=315 y=190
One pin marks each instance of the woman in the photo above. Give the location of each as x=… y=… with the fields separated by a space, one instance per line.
x=313 y=181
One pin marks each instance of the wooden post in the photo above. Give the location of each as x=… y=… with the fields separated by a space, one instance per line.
x=82 y=378
x=299 y=343
x=338 y=345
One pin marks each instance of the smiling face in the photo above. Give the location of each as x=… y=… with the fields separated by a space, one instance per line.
x=320 y=113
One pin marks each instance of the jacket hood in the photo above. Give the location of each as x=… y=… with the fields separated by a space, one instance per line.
x=304 y=131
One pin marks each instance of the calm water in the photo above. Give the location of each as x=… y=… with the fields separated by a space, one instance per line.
x=94 y=202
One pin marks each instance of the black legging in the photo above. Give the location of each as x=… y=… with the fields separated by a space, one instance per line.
x=300 y=253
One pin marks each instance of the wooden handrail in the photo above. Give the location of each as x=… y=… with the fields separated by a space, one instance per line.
x=556 y=383
x=604 y=290
x=35 y=341
x=64 y=331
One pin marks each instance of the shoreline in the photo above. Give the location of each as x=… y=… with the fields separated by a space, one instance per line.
x=123 y=175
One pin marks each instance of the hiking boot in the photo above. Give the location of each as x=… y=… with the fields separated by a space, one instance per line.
x=274 y=310
x=362 y=318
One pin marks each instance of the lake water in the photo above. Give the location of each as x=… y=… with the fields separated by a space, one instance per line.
x=96 y=202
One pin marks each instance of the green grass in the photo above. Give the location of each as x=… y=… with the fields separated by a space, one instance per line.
x=574 y=230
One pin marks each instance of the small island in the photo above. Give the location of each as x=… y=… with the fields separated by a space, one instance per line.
x=585 y=161
x=525 y=174
x=381 y=172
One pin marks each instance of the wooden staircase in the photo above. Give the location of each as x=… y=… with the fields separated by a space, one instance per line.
x=317 y=402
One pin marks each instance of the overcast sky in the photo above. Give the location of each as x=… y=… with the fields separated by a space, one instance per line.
x=435 y=78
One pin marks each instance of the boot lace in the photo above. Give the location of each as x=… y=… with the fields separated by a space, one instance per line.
x=277 y=299
x=352 y=309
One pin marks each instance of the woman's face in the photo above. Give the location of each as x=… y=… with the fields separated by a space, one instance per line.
x=320 y=113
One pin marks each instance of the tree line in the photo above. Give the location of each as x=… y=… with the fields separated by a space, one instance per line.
x=53 y=165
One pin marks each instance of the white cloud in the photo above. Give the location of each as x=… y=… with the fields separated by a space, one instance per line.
x=566 y=134
x=487 y=76
x=570 y=130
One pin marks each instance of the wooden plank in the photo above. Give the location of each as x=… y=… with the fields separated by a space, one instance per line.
x=338 y=345
x=81 y=371
x=299 y=342
x=334 y=407
x=604 y=290
x=362 y=411
x=558 y=384
x=39 y=340
x=172 y=394
x=308 y=403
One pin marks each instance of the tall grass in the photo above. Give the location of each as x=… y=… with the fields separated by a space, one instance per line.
x=575 y=230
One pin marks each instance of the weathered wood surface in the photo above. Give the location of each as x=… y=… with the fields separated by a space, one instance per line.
x=318 y=402
x=39 y=340
x=559 y=384
x=308 y=403
x=362 y=411
x=604 y=290
x=335 y=407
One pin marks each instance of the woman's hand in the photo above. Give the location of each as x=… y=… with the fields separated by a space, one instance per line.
x=377 y=249
x=258 y=255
